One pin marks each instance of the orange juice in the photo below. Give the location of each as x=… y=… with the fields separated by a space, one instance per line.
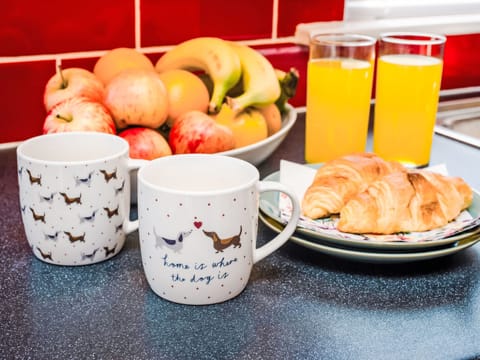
x=338 y=105
x=406 y=105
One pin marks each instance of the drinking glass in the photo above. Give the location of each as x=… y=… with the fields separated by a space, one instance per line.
x=409 y=73
x=339 y=89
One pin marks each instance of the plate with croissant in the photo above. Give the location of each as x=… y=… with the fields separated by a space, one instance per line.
x=363 y=201
x=372 y=255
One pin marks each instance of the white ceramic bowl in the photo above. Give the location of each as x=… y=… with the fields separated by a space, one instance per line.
x=258 y=152
x=255 y=153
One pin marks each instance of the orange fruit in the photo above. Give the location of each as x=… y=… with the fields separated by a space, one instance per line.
x=248 y=127
x=116 y=60
x=185 y=91
x=273 y=117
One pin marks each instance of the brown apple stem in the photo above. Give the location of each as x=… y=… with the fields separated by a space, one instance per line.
x=58 y=116
x=60 y=72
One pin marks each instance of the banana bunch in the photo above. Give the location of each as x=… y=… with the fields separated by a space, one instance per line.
x=210 y=54
x=240 y=75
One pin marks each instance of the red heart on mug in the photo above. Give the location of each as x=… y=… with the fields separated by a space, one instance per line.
x=198 y=224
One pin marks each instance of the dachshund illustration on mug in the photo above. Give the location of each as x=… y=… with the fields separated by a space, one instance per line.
x=111 y=212
x=109 y=176
x=37 y=217
x=74 y=238
x=34 y=179
x=220 y=244
x=45 y=255
x=71 y=200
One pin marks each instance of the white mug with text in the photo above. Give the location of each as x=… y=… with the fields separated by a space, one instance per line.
x=198 y=218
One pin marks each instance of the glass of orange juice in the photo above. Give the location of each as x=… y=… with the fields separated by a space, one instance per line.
x=409 y=73
x=339 y=89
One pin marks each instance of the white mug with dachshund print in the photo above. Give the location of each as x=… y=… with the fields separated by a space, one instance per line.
x=74 y=192
x=198 y=218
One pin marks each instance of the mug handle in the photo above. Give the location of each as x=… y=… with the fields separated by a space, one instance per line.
x=284 y=235
x=132 y=164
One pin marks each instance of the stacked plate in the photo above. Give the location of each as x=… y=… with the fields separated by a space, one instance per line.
x=370 y=249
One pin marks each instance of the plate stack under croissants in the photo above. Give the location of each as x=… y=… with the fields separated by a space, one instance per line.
x=375 y=196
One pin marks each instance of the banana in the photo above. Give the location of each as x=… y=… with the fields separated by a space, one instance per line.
x=288 y=84
x=260 y=82
x=210 y=54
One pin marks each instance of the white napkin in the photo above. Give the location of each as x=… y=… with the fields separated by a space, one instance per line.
x=296 y=176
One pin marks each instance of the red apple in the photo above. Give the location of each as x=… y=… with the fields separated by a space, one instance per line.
x=72 y=82
x=137 y=97
x=145 y=143
x=197 y=132
x=78 y=114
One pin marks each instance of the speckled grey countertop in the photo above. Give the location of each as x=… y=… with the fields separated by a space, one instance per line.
x=299 y=304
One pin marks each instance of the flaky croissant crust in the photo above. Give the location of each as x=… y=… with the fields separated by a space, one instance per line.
x=416 y=200
x=337 y=181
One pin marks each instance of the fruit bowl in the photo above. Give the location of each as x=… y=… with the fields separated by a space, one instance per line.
x=258 y=152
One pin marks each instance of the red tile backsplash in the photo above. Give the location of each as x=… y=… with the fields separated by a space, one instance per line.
x=33 y=34
x=293 y=12
x=461 y=61
x=47 y=27
x=21 y=101
x=170 y=22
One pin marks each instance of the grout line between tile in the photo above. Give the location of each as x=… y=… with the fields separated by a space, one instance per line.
x=275 y=19
x=147 y=50
x=137 y=13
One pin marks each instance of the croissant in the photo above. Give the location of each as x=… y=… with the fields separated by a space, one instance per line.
x=406 y=201
x=340 y=179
